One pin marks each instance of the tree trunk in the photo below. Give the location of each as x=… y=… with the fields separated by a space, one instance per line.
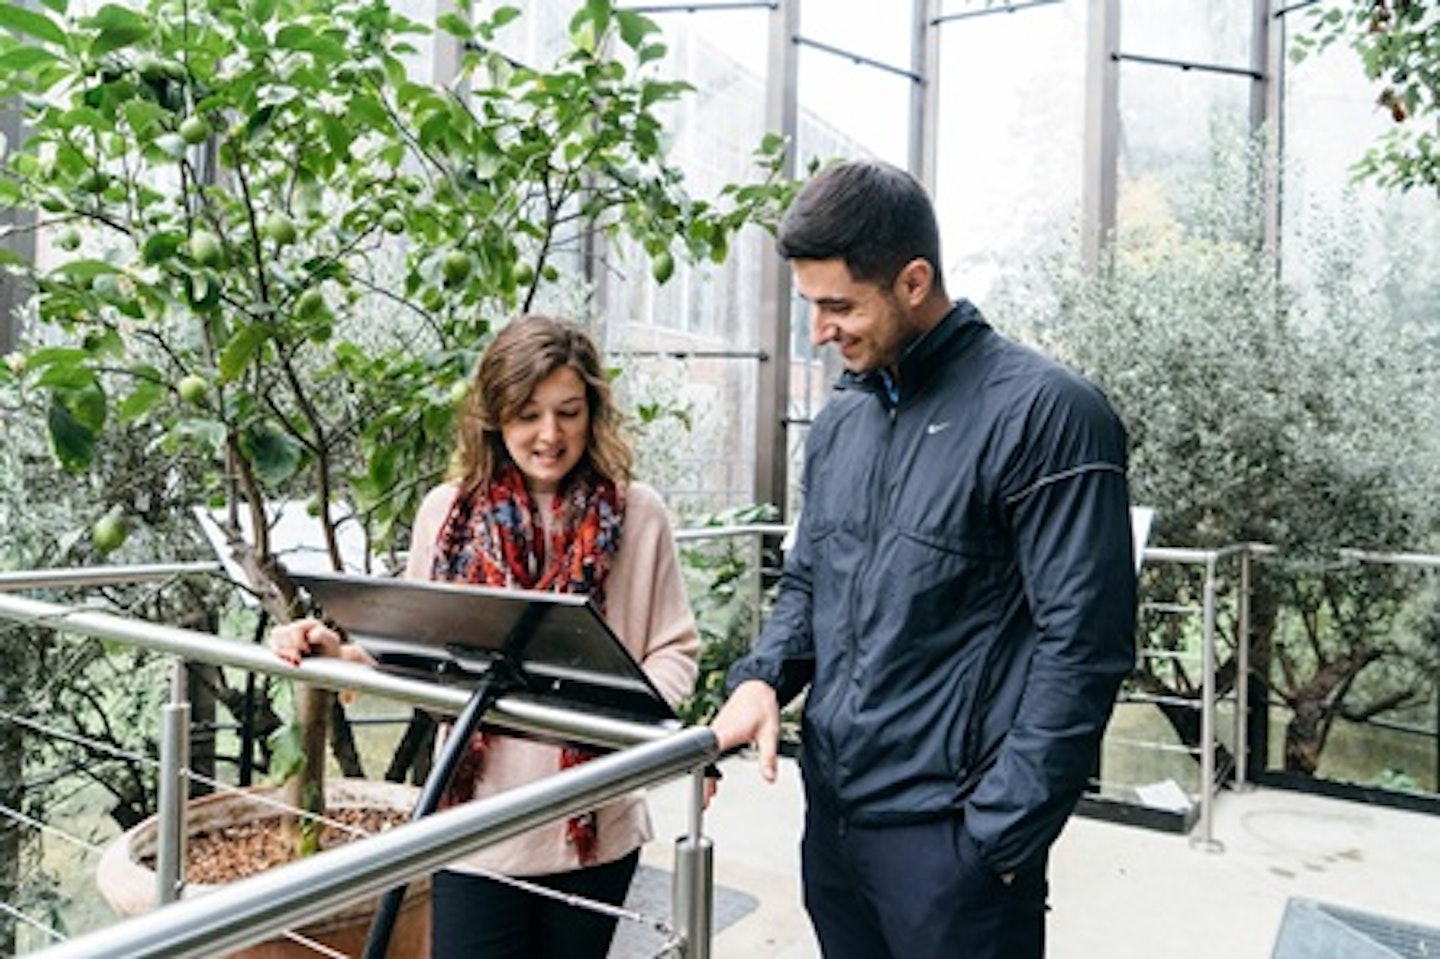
x=306 y=790
x=1304 y=737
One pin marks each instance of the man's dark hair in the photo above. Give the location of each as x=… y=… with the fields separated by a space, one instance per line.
x=873 y=216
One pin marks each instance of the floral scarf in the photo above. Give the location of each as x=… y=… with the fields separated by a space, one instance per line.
x=494 y=536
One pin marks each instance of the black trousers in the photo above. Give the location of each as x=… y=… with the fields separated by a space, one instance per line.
x=473 y=917
x=915 y=891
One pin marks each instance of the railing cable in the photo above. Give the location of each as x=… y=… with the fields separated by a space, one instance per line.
x=36 y=824
x=10 y=910
x=656 y=924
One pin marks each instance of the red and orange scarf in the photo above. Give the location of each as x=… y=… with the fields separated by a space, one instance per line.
x=495 y=537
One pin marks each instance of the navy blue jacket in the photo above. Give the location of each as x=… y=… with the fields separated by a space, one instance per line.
x=961 y=591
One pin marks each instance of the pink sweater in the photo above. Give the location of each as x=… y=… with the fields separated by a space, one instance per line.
x=646 y=606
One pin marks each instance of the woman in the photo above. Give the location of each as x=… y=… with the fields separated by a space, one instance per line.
x=540 y=497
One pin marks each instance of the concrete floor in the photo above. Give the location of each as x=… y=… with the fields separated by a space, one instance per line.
x=1117 y=891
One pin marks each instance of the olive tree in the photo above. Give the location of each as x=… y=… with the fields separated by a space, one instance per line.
x=1257 y=414
x=276 y=247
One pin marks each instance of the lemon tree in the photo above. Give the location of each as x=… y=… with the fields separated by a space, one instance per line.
x=281 y=251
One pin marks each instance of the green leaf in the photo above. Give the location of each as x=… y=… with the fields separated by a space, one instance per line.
x=64 y=376
x=455 y=25
x=144 y=115
x=88 y=405
x=72 y=442
x=634 y=27
x=242 y=348
x=24 y=59
x=287 y=752
x=145 y=397
x=37 y=25
x=205 y=433
x=160 y=247
x=86 y=269
x=275 y=455
x=119 y=28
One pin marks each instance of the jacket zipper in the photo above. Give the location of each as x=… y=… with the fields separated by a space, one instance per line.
x=872 y=534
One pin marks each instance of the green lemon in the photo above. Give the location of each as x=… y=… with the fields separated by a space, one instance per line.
x=109 y=532
x=393 y=221
x=278 y=227
x=192 y=389
x=522 y=273
x=205 y=248
x=455 y=268
x=68 y=239
x=93 y=181
x=310 y=303
x=662 y=267
x=194 y=130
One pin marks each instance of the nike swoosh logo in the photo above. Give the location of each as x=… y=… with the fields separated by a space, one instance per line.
x=932 y=428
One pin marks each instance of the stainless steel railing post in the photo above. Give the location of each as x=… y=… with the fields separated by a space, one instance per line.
x=1206 y=840
x=1242 y=675
x=694 y=884
x=174 y=791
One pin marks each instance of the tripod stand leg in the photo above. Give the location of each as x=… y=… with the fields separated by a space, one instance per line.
x=377 y=943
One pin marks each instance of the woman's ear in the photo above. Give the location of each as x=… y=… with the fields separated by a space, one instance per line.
x=914 y=282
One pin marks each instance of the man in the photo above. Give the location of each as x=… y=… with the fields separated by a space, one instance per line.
x=960 y=596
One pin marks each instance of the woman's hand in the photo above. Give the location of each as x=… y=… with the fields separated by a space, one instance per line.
x=310 y=637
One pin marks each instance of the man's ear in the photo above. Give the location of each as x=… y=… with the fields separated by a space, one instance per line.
x=914 y=282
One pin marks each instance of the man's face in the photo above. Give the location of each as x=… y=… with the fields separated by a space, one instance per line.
x=869 y=322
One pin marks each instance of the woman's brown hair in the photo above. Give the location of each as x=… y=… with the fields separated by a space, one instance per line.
x=527 y=350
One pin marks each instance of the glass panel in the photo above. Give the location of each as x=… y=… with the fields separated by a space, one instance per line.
x=1011 y=135
x=1177 y=128
x=1331 y=222
x=1212 y=32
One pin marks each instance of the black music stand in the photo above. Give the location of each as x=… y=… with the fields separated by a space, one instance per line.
x=552 y=647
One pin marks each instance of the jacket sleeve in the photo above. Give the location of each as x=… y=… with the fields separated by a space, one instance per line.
x=783 y=655
x=1067 y=505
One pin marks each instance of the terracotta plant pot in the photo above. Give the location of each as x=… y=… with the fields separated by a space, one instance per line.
x=129 y=887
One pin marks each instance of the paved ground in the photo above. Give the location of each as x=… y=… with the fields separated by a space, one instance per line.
x=1118 y=892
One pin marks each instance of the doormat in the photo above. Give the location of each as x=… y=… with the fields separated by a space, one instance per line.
x=650 y=895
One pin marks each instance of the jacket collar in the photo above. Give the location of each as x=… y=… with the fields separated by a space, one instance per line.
x=954 y=331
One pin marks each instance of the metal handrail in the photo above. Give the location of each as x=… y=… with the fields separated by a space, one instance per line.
x=252 y=910
x=245 y=922
x=516 y=713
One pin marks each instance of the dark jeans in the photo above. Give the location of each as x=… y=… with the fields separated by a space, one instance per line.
x=915 y=891
x=478 y=918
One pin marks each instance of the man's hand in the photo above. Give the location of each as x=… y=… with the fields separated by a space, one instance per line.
x=751 y=717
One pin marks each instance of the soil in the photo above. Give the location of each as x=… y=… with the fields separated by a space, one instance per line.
x=223 y=855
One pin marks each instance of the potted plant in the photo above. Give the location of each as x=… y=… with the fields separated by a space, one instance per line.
x=265 y=241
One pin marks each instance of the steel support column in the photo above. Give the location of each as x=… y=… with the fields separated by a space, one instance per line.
x=924 y=92
x=18 y=226
x=772 y=394
x=1267 y=104
x=1102 y=129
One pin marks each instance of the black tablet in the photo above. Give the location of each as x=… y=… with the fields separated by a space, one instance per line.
x=557 y=644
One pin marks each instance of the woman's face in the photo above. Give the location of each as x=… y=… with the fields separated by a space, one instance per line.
x=547 y=438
